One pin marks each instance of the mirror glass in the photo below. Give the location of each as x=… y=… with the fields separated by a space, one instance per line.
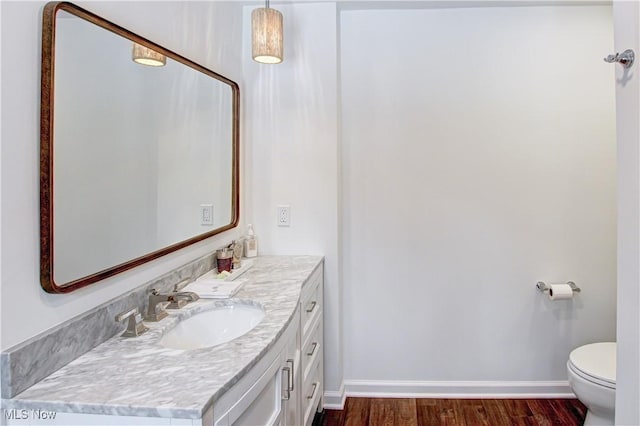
x=137 y=160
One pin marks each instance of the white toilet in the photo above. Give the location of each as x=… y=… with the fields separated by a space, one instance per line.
x=592 y=376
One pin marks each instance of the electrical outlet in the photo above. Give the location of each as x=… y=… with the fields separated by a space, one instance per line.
x=206 y=214
x=284 y=215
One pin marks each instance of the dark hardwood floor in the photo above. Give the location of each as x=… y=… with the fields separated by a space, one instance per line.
x=458 y=412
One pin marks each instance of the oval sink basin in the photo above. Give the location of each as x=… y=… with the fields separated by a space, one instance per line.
x=213 y=327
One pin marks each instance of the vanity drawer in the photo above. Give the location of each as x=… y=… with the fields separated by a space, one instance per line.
x=261 y=404
x=312 y=348
x=311 y=301
x=311 y=393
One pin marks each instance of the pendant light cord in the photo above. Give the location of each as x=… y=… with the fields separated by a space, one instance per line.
x=266 y=3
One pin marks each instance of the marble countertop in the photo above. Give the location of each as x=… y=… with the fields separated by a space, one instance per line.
x=138 y=377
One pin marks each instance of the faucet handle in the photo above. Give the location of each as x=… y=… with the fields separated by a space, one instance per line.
x=177 y=302
x=135 y=327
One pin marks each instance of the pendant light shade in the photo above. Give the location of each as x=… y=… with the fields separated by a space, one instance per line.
x=145 y=56
x=266 y=35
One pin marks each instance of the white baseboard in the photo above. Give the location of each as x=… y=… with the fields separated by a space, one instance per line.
x=446 y=389
x=334 y=400
x=458 y=389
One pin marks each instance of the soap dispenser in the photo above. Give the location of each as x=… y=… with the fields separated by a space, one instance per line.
x=250 y=243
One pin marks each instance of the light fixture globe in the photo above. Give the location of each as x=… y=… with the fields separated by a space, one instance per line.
x=266 y=35
x=145 y=56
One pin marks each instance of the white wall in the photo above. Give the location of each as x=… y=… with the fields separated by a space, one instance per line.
x=208 y=33
x=478 y=158
x=290 y=125
x=627 y=36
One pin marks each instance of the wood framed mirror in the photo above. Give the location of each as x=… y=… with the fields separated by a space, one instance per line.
x=136 y=161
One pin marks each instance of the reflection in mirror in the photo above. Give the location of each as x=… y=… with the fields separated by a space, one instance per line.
x=136 y=161
x=145 y=56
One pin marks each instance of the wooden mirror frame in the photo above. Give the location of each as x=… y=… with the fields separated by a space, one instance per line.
x=47 y=143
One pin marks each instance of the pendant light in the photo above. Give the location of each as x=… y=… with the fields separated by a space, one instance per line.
x=145 y=56
x=266 y=35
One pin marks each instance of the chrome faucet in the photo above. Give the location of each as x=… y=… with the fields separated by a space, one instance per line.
x=176 y=299
x=181 y=298
x=154 y=312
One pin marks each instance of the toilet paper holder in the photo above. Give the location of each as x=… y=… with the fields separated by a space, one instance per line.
x=545 y=288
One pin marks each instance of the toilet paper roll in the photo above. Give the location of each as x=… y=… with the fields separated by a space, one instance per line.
x=560 y=291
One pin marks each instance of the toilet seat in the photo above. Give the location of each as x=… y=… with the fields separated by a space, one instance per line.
x=596 y=363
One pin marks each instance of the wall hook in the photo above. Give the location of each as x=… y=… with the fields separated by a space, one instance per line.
x=625 y=58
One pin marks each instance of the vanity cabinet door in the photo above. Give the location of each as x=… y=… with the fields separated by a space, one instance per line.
x=262 y=404
x=270 y=395
x=291 y=380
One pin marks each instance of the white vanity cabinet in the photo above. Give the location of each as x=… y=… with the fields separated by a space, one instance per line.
x=289 y=392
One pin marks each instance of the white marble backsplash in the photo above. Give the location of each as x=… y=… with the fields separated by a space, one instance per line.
x=139 y=377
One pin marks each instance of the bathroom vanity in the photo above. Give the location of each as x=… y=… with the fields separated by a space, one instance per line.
x=272 y=375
